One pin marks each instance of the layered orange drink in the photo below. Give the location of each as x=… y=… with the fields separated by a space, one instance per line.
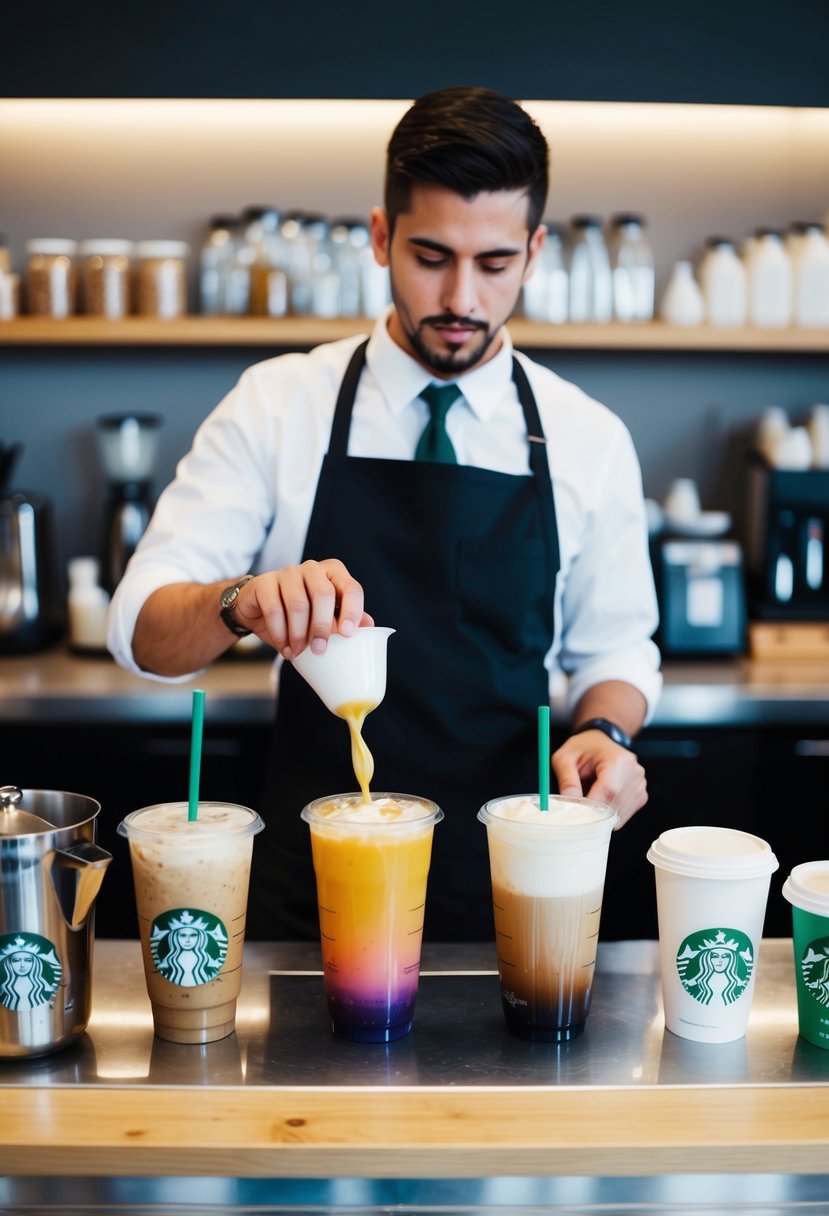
x=371 y=861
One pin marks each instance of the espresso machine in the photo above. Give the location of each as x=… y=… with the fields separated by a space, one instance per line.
x=788 y=515
x=128 y=447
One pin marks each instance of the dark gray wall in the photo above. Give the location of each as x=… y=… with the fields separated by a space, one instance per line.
x=762 y=52
x=689 y=414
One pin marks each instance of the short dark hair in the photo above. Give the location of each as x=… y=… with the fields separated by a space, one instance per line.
x=467 y=139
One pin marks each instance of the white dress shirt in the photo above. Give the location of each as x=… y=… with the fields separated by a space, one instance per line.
x=242 y=497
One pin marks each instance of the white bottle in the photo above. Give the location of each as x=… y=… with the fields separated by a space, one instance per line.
x=591 y=290
x=682 y=302
x=87 y=605
x=769 y=273
x=631 y=263
x=724 y=283
x=546 y=291
x=811 y=278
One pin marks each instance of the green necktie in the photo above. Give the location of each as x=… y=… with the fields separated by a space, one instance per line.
x=434 y=443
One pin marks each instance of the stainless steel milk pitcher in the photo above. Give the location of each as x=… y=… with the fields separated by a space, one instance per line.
x=50 y=874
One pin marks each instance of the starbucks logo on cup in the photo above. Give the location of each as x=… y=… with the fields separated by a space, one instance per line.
x=814 y=967
x=188 y=946
x=30 y=971
x=715 y=965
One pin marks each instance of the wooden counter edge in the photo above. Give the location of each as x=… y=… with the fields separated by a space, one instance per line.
x=472 y=1132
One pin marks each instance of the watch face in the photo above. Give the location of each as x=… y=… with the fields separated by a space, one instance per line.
x=229 y=597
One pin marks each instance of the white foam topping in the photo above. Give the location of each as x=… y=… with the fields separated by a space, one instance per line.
x=561 y=810
x=558 y=852
x=171 y=819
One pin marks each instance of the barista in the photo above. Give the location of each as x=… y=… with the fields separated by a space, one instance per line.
x=501 y=532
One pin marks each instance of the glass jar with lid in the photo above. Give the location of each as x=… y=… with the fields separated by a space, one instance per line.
x=105 y=277
x=161 y=278
x=51 y=277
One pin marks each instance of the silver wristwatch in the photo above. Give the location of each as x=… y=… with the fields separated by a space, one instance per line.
x=227 y=602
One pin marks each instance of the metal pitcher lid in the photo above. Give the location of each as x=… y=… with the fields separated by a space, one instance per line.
x=13 y=821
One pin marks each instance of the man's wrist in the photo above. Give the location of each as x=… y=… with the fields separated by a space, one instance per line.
x=611 y=729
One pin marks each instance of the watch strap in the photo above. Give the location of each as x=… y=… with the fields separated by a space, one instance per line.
x=611 y=729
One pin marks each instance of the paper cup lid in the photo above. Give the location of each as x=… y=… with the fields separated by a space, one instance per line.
x=712 y=852
x=807 y=887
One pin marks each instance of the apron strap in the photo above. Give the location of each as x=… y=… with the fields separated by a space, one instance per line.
x=338 y=443
x=539 y=464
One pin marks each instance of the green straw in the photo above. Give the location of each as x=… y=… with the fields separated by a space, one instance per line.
x=196 y=732
x=544 y=757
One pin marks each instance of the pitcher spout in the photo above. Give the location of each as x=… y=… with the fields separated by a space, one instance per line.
x=87 y=862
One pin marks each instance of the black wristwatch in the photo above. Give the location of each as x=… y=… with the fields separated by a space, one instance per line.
x=227 y=602
x=610 y=729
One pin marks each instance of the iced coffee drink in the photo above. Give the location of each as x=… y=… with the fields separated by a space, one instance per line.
x=191 y=891
x=371 y=861
x=548 y=870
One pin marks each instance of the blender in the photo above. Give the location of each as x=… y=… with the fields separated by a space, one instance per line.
x=128 y=445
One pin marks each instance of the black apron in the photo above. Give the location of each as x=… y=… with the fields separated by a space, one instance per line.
x=462 y=563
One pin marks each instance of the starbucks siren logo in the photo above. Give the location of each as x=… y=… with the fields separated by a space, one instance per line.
x=715 y=965
x=188 y=947
x=30 y=971
x=814 y=967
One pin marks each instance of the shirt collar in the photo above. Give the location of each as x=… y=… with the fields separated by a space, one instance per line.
x=401 y=378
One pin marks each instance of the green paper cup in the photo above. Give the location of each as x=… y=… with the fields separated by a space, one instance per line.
x=807 y=890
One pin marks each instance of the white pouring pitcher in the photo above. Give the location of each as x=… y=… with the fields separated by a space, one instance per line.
x=350 y=670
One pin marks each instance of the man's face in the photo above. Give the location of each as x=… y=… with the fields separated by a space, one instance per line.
x=456 y=267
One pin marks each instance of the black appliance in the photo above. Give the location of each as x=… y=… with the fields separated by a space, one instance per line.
x=31 y=610
x=787 y=526
x=128 y=445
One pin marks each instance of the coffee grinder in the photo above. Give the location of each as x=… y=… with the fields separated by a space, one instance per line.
x=128 y=446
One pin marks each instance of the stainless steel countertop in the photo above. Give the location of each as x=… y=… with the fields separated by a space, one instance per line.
x=459 y=1038
x=59 y=687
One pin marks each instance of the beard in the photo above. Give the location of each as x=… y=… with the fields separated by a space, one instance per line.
x=452 y=362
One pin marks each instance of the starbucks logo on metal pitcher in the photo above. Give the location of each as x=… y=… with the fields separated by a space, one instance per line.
x=715 y=965
x=814 y=967
x=30 y=971
x=188 y=946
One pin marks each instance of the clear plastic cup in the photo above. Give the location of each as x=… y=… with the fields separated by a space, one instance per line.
x=548 y=871
x=191 y=891
x=371 y=864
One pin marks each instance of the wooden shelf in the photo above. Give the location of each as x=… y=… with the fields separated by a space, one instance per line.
x=310 y=331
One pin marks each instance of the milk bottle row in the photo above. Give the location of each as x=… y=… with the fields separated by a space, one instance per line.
x=298 y=263
x=774 y=281
x=587 y=273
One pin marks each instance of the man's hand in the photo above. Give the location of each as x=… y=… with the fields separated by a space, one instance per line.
x=591 y=765
x=301 y=606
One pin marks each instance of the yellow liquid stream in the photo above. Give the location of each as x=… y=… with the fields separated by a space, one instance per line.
x=355 y=715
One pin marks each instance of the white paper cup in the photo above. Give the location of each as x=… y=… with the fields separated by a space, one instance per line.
x=350 y=671
x=712 y=885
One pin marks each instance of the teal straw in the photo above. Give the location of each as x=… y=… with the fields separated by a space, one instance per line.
x=196 y=732
x=544 y=757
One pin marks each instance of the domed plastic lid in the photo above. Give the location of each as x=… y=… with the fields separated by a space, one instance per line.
x=712 y=852
x=807 y=887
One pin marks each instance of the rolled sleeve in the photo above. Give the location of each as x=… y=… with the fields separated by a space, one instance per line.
x=608 y=602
